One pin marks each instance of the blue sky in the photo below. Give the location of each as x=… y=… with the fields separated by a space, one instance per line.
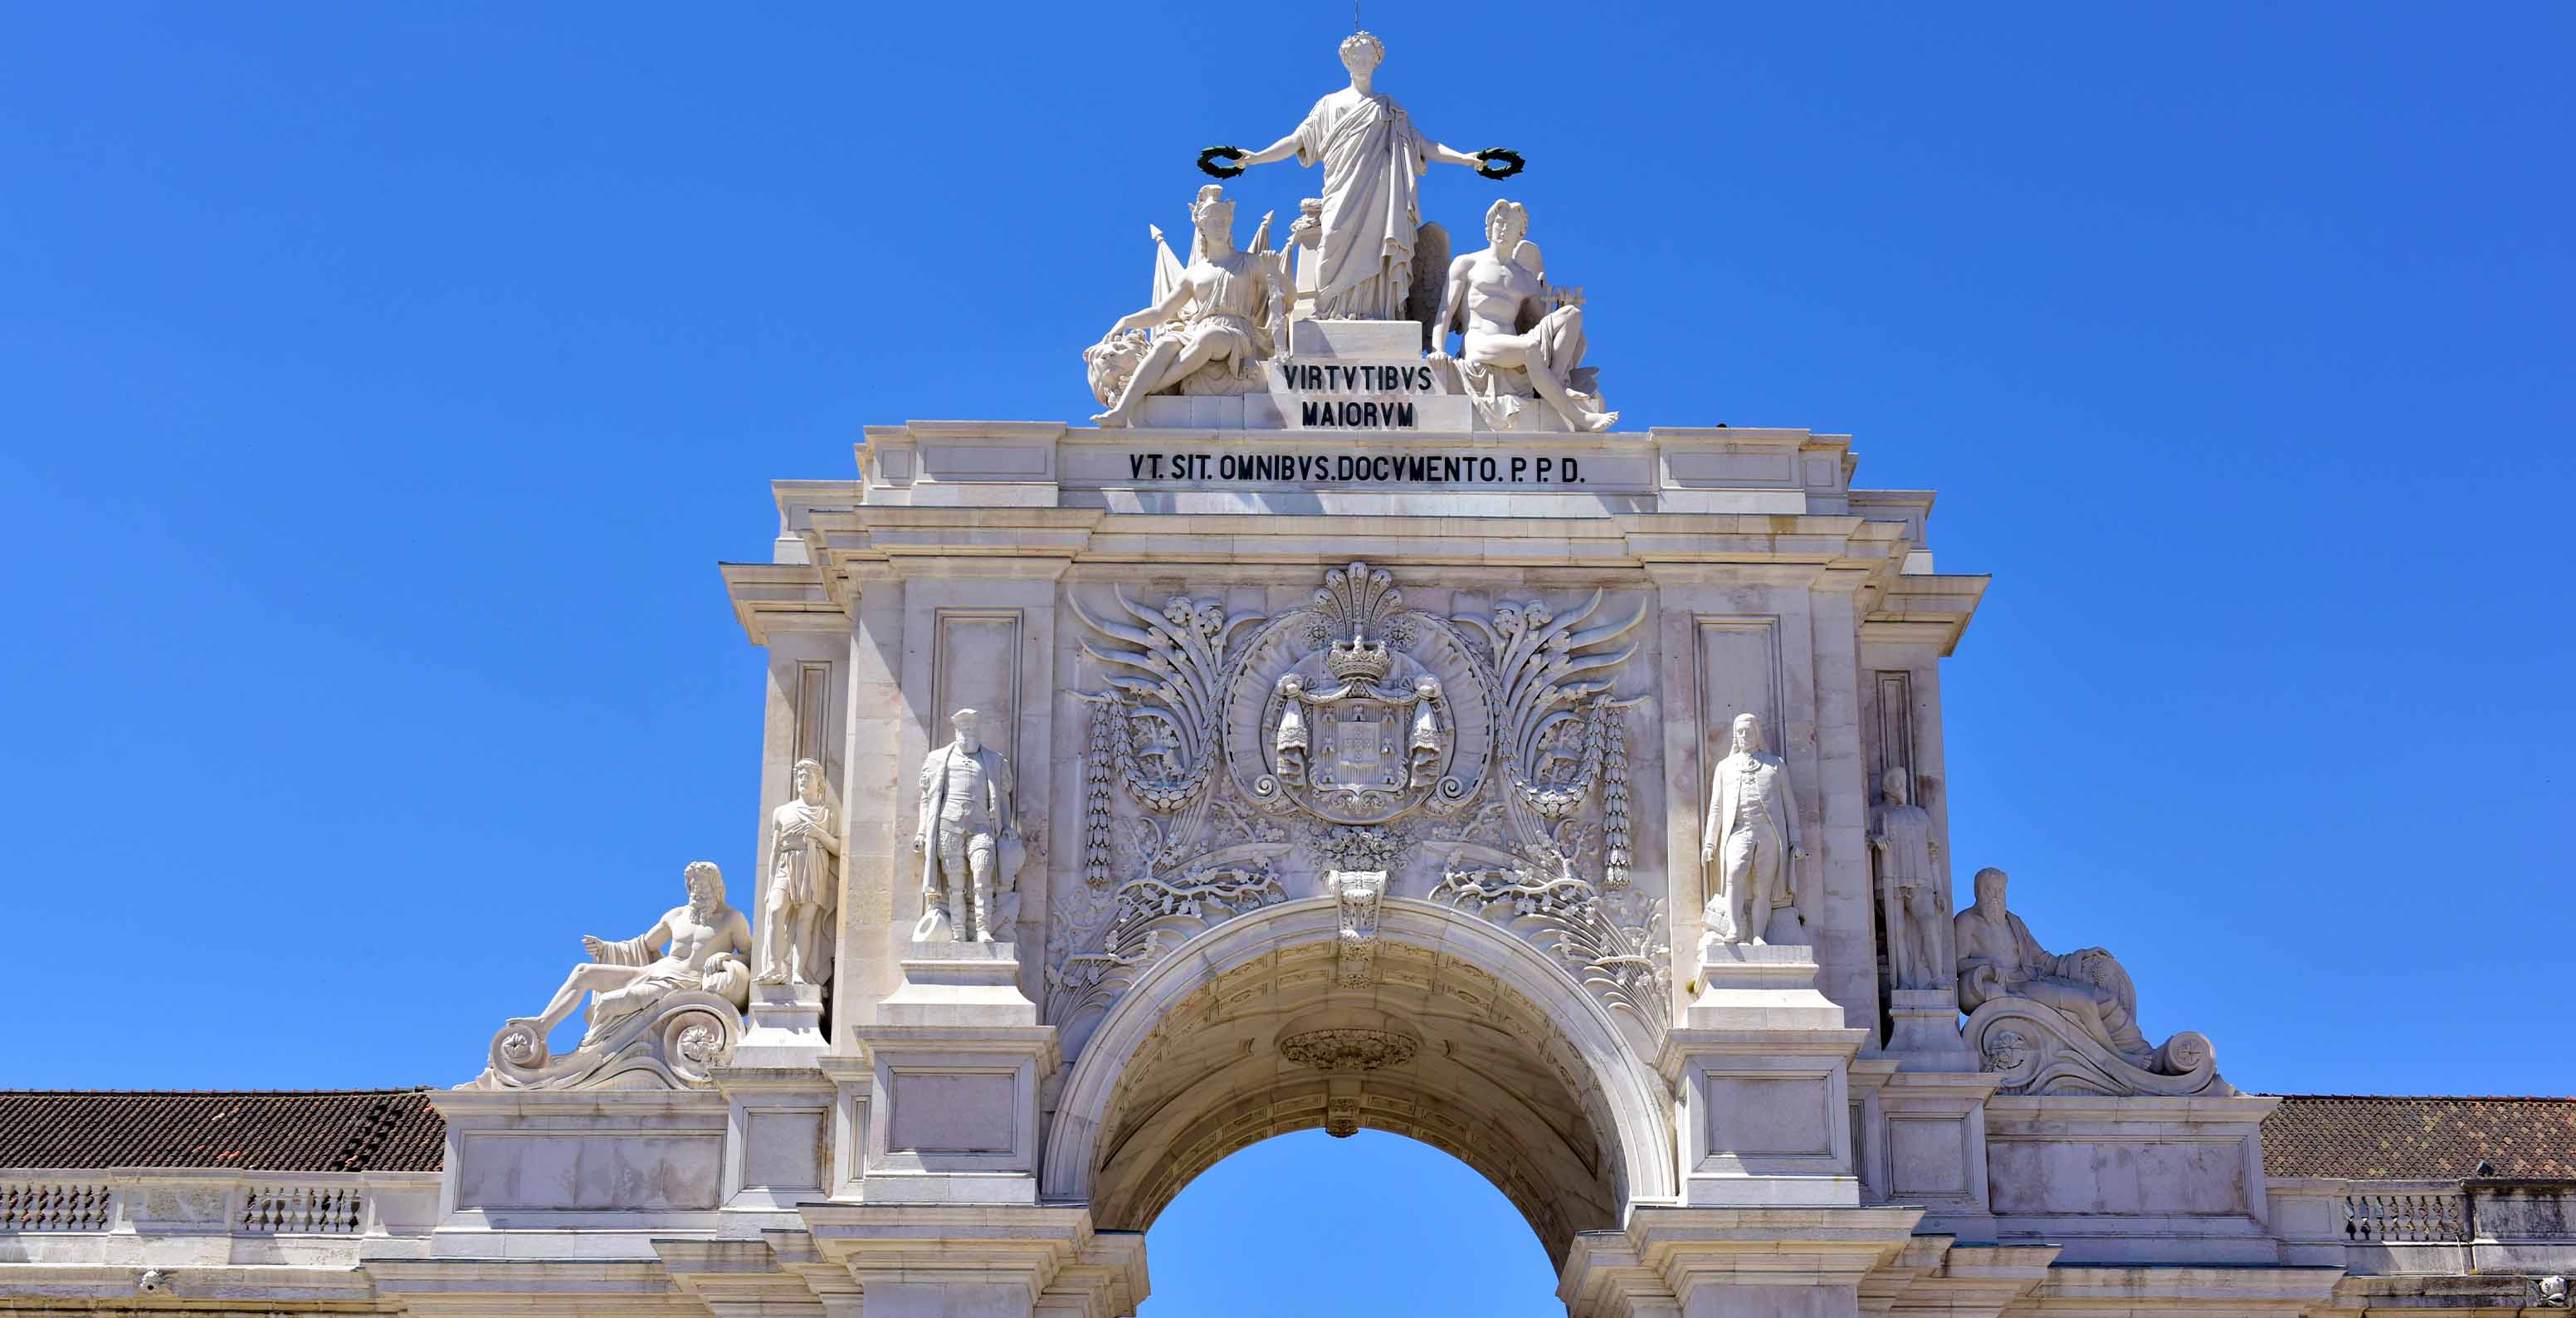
x=379 y=387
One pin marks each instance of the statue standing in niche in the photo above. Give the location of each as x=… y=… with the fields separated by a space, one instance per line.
x=1513 y=343
x=1751 y=836
x=1909 y=869
x=966 y=824
x=1999 y=958
x=1373 y=157
x=804 y=885
x=706 y=943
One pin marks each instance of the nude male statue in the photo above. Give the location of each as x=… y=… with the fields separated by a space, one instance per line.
x=1752 y=836
x=707 y=940
x=804 y=885
x=965 y=814
x=1499 y=292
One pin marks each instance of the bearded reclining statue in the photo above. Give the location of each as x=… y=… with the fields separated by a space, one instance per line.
x=664 y=1005
x=2062 y=1023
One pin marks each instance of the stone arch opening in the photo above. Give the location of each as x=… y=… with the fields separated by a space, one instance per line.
x=1450 y=1031
x=1412 y=1228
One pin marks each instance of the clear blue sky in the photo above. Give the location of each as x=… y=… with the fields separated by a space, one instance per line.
x=379 y=387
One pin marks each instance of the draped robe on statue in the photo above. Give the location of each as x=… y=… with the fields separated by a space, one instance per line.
x=1372 y=157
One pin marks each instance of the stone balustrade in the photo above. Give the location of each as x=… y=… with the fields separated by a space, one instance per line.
x=2426 y=1228
x=210 y=1216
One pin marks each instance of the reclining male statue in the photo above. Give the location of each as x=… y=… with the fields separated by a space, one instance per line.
x=1497 y=300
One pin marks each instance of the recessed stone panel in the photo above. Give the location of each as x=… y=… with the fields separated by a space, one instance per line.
x=1927 y=1156
x=1751 y=1115
x=2117 y=1176
x=784 y=1150
x=615 y=1172
x=952 y=1112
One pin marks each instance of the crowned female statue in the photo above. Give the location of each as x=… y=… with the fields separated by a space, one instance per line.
x=1372 y=157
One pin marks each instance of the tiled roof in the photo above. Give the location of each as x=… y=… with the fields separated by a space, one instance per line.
x=2369 y=1137
x=263 y=1130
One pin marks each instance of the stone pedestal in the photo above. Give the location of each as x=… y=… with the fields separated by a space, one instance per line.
x=959 y=984
x=1761 y=1061
x=1356 y=338
x=1924 y=1031
x=955 y=1058
x=778 y=1136
x=786 y=1026
x=1934 y=1125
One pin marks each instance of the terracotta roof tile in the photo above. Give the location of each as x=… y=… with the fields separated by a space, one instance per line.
x=262 y=1130
x=2379 y=1138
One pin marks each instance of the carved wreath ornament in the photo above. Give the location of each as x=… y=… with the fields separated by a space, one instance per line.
x=1510 y=162
x=1355 y=731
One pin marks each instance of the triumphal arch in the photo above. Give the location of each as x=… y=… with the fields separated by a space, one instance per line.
x=1354 y=727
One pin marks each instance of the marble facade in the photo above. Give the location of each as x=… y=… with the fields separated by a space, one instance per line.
x=1341 y=735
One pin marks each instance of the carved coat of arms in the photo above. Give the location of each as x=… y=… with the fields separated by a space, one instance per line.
x=1371 y=734
x=1356 y=730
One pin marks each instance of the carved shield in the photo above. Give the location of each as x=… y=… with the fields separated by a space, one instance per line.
x=1360 y=754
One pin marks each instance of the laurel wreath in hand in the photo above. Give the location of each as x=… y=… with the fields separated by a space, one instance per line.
x=1220 y=171
x=1512 y=162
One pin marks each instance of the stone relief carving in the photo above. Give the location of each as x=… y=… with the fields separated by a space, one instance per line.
x=1349 y=1050
x=2066 y=1023
x=1358 y=892
x=1752 y=838
x=1521 y=338
x=1918 y=917
x=804 y=885
x=665 y=1005
x=1616 y=943
x=1355 y=731
x=968 y=837
x=1212 y=322
x=1373 y=157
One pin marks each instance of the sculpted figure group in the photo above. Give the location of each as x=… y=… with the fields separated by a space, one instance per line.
x=692 y=965
x=1751 y=847
x=1361 y=252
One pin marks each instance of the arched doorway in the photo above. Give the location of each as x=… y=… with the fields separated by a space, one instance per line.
x=1408 y=1230
x=1449 y=1031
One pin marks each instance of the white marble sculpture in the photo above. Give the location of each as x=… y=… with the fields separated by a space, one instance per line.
x=1752 y=838
x=2062 y=1022
x=1998 y=958
x=1212 y=323
x=668 y=1001
x=1910 y=872
x=1373 y=157
x=804 y=885
x=1521 y=337
x=967 y=836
